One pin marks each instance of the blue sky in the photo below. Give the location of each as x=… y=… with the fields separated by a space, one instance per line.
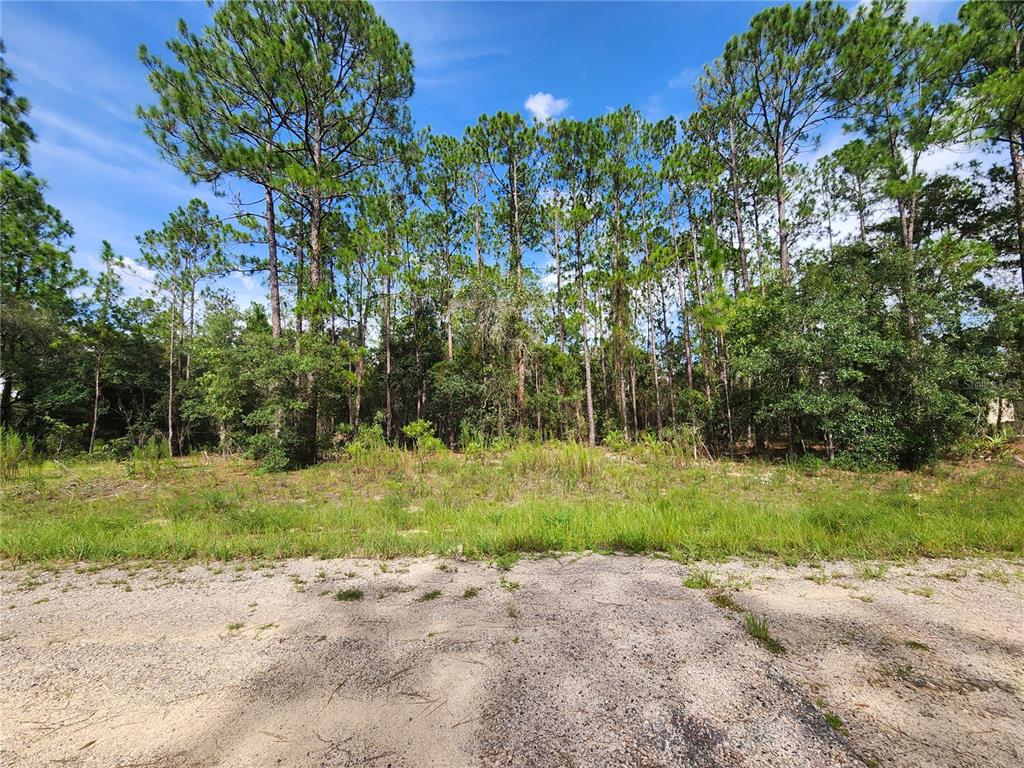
x=77 y=64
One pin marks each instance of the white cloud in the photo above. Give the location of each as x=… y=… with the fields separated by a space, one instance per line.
x=544 y=106
x=685 y=78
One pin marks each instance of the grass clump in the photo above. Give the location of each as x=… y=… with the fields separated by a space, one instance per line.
x=348 y=595
x=724 y=600
x=757 y=628
x=831 y=718
x=16 y=452
x=428 y=596
x=872 y=572
x=507 y=560
x=698 y=580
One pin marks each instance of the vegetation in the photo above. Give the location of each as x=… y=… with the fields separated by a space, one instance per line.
x=685 y=287
x=757 y=628
x=483 y=506
x=348 y=595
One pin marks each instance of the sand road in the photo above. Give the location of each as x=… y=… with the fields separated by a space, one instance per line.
x=577 y=661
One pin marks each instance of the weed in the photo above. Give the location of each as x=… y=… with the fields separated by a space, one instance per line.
x=724 y=600
x=392 y=588
x=872 y=572
x=757 y=628
x=698 y=580
x=507 y=560
x=920 y=591
x=29 y=583
x=428 y=596
x=834 y=721
x=348 y=595
x=997 y=575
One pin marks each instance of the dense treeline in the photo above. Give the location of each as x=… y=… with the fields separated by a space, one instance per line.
x=717 y=281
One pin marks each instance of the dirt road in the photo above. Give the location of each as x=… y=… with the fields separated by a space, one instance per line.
x=592 y=661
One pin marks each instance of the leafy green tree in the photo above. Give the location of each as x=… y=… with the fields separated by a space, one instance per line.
x=993 y=102
x=788 y=65
x=900 y=80
x=37 y=277
x=101 y=327
x=507 y=147
x=219 y=116
x=183 y=255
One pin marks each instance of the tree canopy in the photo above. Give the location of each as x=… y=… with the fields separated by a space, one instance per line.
x=715 y=283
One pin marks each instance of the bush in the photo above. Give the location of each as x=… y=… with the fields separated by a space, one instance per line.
x=616 y=441
x=15 y=452
x=270 y=451
x=368 y=442
x=147 y=460
x=421 y=432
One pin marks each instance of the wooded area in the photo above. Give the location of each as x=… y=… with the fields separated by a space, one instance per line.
x=718 y=282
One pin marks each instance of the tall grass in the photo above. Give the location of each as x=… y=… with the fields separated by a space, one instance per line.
x=533 y=498
x=16 y=452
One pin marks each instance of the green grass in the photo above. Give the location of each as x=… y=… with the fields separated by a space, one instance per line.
x=348 y=595
x=490 y=506
x=698 y=580
x=757 y=628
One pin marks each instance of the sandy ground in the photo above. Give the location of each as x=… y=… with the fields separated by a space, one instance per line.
x=582 y=661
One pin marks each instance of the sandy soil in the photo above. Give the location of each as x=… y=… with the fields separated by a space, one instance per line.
x=592 y=661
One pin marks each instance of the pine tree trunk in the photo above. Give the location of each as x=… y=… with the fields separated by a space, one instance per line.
x=685 y=316
x=654 y=360
x=558 y=290
x=387 y=355
x=1017 y=160
x=780 y=204
x=95 y=405
x=585 y=332
x=170 y=384
x=275 y=282
x=736 y=207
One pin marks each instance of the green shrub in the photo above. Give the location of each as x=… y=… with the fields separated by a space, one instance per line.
x=270 y=451
x=147 y=460
x=616 y=441
x=421 y=432
x=16 y=452
x=368 y=441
